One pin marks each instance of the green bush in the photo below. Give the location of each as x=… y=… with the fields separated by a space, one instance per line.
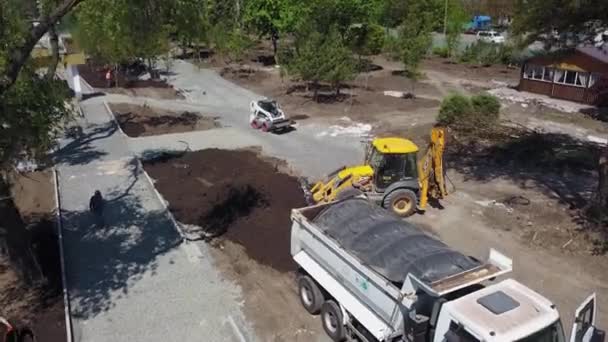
x=469 y=114
x=376 y=37
x=453 y=109
x=441 y=51
x=486 y=106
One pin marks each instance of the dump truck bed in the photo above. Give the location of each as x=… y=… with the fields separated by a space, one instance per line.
x=392 y=247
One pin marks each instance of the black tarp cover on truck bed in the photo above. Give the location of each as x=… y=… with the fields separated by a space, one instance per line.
x=389 y=245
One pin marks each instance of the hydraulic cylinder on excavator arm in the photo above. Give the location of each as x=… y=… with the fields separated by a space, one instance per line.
x=430 y=169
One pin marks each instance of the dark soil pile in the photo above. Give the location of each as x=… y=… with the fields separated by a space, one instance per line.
x=135 y=126
x=233 y=195
x=137 y=121
x=95 y=75
x=30 y=275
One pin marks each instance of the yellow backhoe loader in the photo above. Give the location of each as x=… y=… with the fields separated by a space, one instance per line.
x=391 y=175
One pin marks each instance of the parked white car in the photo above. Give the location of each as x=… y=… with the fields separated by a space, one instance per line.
x=491 y=37
x=267 y=115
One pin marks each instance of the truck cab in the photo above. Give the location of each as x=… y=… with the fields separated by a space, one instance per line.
x=507 y=311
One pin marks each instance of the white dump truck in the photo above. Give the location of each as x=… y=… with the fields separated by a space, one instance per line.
x=375 y=277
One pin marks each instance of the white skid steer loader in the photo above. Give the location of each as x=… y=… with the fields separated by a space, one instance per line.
x=267 y=115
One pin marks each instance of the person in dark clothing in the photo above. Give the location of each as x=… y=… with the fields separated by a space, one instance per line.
x=96 y=205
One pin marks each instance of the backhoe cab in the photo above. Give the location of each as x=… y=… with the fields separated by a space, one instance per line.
x=391 y=175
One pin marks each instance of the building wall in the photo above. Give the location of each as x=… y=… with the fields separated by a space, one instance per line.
x=537 y=87
x=594 y=95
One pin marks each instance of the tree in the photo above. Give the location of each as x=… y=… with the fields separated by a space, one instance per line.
x=18 y=38
x=366 y=39
x=189 y=22
x=574 y=21
x=457 y=18
x=264 y=17
x=337 y=64
x=415 y=36
x=340 y=15
x=32 y=111
x=391 y=13
x=305 y=64
x=323 y=58
x=32 y=106
x=118 y=31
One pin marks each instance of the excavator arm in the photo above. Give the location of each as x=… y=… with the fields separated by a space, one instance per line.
x=430 y=169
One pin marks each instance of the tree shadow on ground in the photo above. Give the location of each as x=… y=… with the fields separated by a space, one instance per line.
x=265 y=60
x=555 y=164
x=597 y=113
x=79 y=150
x=105 y=261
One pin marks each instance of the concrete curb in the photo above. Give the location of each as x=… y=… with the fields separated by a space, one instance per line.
x=66 y=295
x=113 y=118
x=176 y=224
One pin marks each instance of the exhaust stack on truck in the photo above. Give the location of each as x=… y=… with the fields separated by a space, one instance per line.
x=375 y=277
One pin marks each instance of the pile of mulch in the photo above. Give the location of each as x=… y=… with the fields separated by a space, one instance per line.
x=137 y=121
x=95 y=75
x=232 y=195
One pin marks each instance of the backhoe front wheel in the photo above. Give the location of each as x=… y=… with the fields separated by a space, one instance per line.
x=402 y=202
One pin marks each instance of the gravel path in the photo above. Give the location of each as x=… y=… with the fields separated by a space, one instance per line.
x=133 y=279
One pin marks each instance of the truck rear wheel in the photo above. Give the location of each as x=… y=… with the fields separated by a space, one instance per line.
x=310 y=294
x=331 y=318
x=402 y=202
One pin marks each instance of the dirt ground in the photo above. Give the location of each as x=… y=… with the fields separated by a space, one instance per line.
x=127 y=85
x=271 y=297
x=363 y=99
x=533 y=227
x=518 y=113
x=245 y=202
x=138 y=121
x=500 y=73
x=36 y=303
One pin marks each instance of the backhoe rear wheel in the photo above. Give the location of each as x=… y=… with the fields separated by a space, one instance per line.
x=402 y=202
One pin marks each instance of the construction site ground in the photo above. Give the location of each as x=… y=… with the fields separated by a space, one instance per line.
x=37 y=303
x=524 y=212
